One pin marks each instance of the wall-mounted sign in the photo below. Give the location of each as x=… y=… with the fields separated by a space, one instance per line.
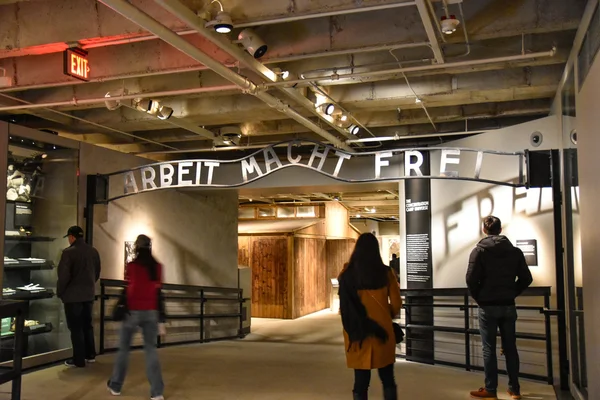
x=529 y=249
x=76 y=64
x=388 y=165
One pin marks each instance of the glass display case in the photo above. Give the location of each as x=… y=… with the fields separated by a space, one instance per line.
x=41 y=203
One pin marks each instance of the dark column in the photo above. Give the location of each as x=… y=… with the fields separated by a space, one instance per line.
x=419 y=267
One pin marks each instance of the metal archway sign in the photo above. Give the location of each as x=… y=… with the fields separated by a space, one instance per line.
x=387 y=165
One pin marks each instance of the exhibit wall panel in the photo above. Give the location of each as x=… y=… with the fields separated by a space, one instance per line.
x=194 y=233
x=310 y=276
x=588 y=121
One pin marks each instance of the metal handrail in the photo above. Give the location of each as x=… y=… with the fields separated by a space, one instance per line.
x=426 y=298
x=199 y=294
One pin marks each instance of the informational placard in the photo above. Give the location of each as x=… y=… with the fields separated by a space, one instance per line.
x=529 y=249
x=23 y=215
x=419 y=266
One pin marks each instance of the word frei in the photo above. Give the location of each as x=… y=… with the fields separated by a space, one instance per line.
x=343 y=166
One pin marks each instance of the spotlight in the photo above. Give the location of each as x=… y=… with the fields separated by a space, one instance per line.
x=327 y=108
x=336 y=198
x=252 y=43
x=354 y=129
x=373 y=210
x=164 y=112
x=146 y=105
x=449 y=24
x=357 y=215
x=418 y=100
x=281 y=73
x=344 y=118
x=222 y=23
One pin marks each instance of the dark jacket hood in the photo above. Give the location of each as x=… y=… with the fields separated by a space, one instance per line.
x=498 y=245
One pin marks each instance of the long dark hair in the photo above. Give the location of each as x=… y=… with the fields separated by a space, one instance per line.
x=366 y=269
x=143 y=256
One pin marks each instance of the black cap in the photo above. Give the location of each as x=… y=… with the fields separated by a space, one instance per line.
x=75 y=231
x=143 y=242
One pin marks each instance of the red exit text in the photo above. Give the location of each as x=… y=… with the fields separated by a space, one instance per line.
x=76 y=64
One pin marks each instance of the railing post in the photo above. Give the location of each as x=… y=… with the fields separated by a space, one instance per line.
x=202 y=315
x=548 y=326
x=467 y=334
x=241 y=302
x=102 y=316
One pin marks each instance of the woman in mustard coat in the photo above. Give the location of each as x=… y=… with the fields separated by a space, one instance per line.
x=369 y=299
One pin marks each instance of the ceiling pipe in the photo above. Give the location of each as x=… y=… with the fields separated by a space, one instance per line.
x=469 y=63
x=224 y=148
x=126 y=134
x=277 y=60
x=405 y=137
x=150 y=24
x=431 y=36
x=99 y=100
x=186 y=15
x=170 y=93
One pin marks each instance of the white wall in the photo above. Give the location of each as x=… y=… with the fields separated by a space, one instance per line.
x=194 y=233
x=588 y=121
x=458 y=206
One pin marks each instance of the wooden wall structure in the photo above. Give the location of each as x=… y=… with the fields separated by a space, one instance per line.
x=292 y=271
x=338 y=253
x=291 y=276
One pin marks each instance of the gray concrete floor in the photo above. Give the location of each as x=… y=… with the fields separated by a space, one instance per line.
x=301 y=359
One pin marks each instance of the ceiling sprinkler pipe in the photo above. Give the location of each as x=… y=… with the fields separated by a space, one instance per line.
x=406 y=137
x=469 y=63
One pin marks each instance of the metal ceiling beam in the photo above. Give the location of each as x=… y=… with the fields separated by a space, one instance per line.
x=430 y=30
x=147 y=22
x=186 y=15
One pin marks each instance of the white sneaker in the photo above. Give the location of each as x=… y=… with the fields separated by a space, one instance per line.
x=157 y=398
x=112 y=391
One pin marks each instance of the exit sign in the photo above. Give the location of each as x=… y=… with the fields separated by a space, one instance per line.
x=76 y=64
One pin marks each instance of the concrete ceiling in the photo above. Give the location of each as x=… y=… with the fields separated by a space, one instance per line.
x=372 y=58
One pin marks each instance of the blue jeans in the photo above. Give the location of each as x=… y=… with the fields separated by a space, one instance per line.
x=492 y=318
x=148 y=321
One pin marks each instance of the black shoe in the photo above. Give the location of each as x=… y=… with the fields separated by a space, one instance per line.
x=71 y=364
x=390 y=393
x=360 y=396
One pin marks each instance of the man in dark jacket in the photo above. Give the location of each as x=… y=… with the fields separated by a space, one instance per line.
x=496 y=275
x=78 y=272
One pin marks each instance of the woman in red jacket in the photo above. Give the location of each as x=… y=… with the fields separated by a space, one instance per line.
x=144 y=279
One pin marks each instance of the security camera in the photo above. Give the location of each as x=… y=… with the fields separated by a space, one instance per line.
x=230 y=135
x=573 y=136
x=536 y=139
x=449 y=24
x=252 y=43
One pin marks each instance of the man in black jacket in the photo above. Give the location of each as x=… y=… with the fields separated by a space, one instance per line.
x=78 y=272
x=496 y=275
